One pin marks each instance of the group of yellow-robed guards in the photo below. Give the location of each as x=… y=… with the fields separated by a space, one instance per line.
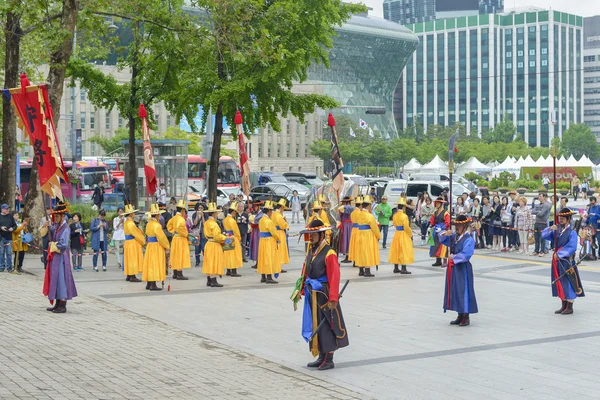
x=363 y=246
x=223 y=250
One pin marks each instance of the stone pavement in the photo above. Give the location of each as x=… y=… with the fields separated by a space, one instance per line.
x=401 y=345
x=100 y=351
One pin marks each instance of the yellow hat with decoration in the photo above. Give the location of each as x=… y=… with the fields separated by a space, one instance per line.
x=211 y=208
x=129 y=209
x=182 y=204
x=283 y=203
x=155 y=210
x=268 y=205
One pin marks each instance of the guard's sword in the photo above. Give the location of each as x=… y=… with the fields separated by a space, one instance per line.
x=325 y=319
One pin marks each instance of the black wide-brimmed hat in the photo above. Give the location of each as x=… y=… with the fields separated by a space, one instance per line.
x=316 y=226
x=462 y=219
x=61 y=208
x=565 y=212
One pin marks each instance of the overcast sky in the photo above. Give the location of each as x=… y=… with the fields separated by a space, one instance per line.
x=585 y=8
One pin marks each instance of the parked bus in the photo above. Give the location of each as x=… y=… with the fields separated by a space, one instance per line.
x=92 y=173
x=228 y=172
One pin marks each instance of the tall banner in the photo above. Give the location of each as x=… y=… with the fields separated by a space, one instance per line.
x=149 y=168
x=34 y=115
x=244 y=164
x=337 y=175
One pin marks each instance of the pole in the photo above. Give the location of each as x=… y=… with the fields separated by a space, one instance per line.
x=554 y=154
x=73 y=126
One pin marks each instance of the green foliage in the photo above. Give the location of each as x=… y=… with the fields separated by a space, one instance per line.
x=563 y=185
x=472 y=175
x=504 y=131
x=579 y=140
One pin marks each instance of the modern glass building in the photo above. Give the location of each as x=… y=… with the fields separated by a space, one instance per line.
x=591 y=73
x=409 y=11
x=524 y=65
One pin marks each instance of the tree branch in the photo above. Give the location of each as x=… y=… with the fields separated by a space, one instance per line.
x=106 y=14
x=49 y=18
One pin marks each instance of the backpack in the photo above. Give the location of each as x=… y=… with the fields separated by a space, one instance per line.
x=27 y=238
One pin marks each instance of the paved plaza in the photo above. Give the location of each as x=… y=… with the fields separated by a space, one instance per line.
x=243 y=340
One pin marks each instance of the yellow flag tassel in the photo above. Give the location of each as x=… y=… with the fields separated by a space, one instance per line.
x=314 y=347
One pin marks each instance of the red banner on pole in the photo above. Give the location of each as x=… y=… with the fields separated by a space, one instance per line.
x=36 y=120
x=149 y=168
x=244 y=164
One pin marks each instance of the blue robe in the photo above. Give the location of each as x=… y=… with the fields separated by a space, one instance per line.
x=566 y=245
x=61 y=283
x=459 y=294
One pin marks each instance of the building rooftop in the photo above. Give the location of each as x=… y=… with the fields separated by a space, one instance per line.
x=519 y=10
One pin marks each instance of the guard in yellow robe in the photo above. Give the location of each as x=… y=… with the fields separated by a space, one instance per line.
x=367 y=255
x=155 y=258
x=214 y=259
x=268 y=259
x=401 y=251
x=233 y=258
x=354 y=234
x=180 y=244
x=134 y=240
x=282 y=227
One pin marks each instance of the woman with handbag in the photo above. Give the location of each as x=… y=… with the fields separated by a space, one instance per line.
x=505 y=217
x=20 y=243
x=496 y=222
x=77 y=241
x=524 y=225
x=485 y=222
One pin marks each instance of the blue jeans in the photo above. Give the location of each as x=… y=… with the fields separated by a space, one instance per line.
x=384 y=229
x=5 y=254
x=104 y=255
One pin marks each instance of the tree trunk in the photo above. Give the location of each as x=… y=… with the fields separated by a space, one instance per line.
x=131 y=170
x=215 y=154
x=12 y=33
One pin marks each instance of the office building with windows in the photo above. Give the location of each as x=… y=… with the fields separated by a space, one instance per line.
x=414 y=11
x=525 y=65
x=591 y=73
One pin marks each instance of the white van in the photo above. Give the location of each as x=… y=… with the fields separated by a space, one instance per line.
x=412 y=189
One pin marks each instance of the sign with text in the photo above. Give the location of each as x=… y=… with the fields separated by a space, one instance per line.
x=563 y=174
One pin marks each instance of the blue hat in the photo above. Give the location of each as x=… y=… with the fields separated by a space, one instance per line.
x=4 y=206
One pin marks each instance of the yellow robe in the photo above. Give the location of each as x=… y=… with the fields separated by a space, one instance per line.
x=353 y=235
x=155 y=258
x=233 y=258
x=282 y=226
x=310 y=219
x=214 y=260
x=132 y=250
x=17 y=241
x=324 y=216
x=367 y=254
x=402 y=251
x=268 y=259
x=180 y=245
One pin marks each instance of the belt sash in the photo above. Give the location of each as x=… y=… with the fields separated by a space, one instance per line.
x=399 y=228
x=129 y=237
x=309 y=315
x=364 y=227
x=265 y=235
x=152 y=239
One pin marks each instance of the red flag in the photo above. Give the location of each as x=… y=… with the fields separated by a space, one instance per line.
x=244 y=164
x=35 y=118
x=149 y=169
x=337 y=176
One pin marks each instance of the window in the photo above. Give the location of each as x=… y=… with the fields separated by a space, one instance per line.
x=509 y=43
x=107 y=121
x=168 y=120
x=413 y=189
x=82 y=94
x=532 y=63
x=544 y=51
x=532 y=52
x=120 y=121
x=520 y=65
x=82 y=120
x=508 y=65
x=436 y=191
x=509 y=54
x=544 y=63
x=520 y=42
x=520 y=53
x=92 y=121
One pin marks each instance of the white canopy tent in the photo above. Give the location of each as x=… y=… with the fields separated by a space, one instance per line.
x=510 y=165
x=435 y=166
x=473 y=165
x=585 y=162
x=412 y=166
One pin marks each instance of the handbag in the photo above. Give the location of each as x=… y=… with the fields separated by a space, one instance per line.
x=497 y=223
x=27 y=238
x=530 y=238
x=228 y=247
x=81 y=240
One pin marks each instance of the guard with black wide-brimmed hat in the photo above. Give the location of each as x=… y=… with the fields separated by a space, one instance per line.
x=440 y=221
x=566 y=282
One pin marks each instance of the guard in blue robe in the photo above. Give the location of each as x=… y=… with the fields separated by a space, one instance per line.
x=566 y=283
x=459 y=292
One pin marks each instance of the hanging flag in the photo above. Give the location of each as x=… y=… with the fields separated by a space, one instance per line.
x=149 y=168
x=35 y=118
x=363 y=124
x=352 y=133
x=371 y=133
x=337 y=176
x=244 y=164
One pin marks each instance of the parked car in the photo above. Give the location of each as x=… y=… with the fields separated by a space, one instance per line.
x=443 y=178
x=308 y=180
x=363 y=184
x=412 y=188
x=262 y=178
x=286 y=189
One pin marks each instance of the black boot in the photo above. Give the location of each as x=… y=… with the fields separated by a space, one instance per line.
x=263 y=278
x=569 y=309
x=181 y=277
x=437 y=263
x=134 y=279
x=270 y=279
x=214 y=283
x=128 y=278
x=396 y=270
x=62 y=307
x=234 y=273
x=564 y=305
x=465 y=320
x=175 y=274
x=327 y=363
x=361 y=271
x=346 y=260
x=208 y=281
x=255 y=266
x=317 y=362
x=457 y=320
x=228 y=272
x=283 y=271
x=405 y=271
x=153 y=286
x=368 y=273
x=54 y=307
x=148 y=285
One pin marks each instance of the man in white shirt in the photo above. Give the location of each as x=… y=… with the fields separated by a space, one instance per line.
x=119 y=235
x=161 y=195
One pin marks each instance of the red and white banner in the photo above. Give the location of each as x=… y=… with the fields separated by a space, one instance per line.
x=149 y=168
x=35 y=118
x=244 y=164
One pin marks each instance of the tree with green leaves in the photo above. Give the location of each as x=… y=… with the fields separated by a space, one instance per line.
x=249 y=56
x=578 y=140
x=505 y=131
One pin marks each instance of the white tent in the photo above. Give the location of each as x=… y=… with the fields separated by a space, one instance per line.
x=435 y=166
x=412 y=166
x=528 y=162
x=492 y=164
x=585 y=162
x=572 y=161
x=473 y=165
x=510 y=165
x=562 y=162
